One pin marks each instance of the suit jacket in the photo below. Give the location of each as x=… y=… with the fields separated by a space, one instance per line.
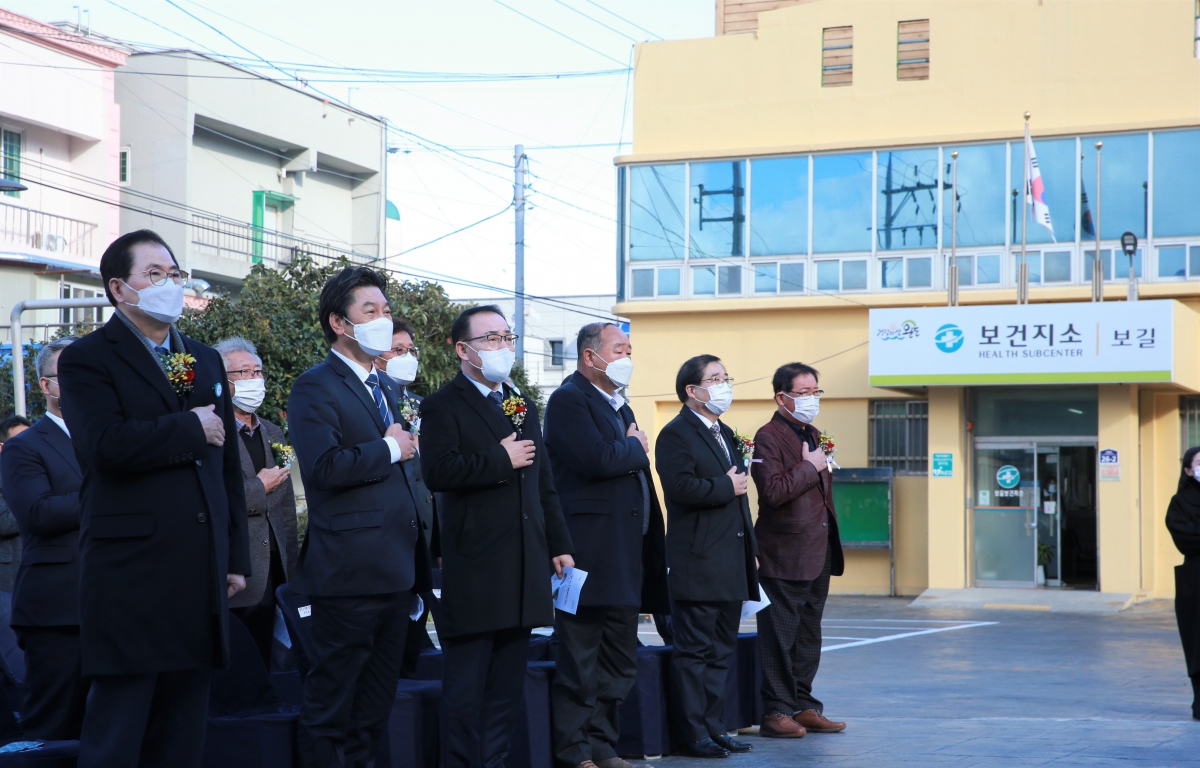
x=40 y=470
x=500 y=526
x=363 y=537
x=596 y=469
x=426 y=504
x=796 y=519
x=164 y=513
x=266 y=513
x=710 y=537
x=10 y=546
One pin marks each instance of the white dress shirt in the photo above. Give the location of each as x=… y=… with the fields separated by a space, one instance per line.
x=615 y=399
x=362 y=374
x=483 y=389
x=58 y=420
x=708 y=421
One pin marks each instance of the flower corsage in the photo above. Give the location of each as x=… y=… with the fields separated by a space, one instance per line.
x=828 y=448
x=284 y=454
x=745 y=446
x=515 y=409
x=180 y=372
x=409 y=409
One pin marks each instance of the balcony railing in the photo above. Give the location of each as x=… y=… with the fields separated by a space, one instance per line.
x=217 y=236
x=46 y=232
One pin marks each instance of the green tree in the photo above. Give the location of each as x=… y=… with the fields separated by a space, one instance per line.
x=35 y=401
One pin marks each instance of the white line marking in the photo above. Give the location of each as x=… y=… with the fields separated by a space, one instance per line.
x=835 y=637
x=908 y=634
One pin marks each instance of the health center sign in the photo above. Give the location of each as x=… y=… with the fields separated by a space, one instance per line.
x=1091 y=343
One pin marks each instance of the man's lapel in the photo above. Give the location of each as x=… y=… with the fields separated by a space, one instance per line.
x=706 y=435
x=356 y=385
x=131 y=349
x=243 y=454
x=58 y=440
x=500 y=426
x=598 y=401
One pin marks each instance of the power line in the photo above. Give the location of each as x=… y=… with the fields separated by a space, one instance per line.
x=596 y=21
x=455 y=232
x=555 y=31
x=622 y=18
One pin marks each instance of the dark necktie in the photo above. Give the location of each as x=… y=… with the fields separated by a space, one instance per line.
x=716 y=432
x=497 y=399
x=377 y=393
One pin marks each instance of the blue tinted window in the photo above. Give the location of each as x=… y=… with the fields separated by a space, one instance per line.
x=987 y=270
x=668 y=282
x=1172 y=262
x=854 y=275
x=966 y=274
x=920 y=273
x=656 y=203
x=730 y=280
x=1124 y=165
x=1194 y=261
x=791 y=276
x=841 y=203
x=908 y=186
x=704 y=281
x=1089 y=257
x=1176 y=183
x=1057 y=267
x=1056 y=160
x=718 y=200
x=779 y=206
x=765 y=278
x=891 y=273
x=1121 y=263
x=829 y=276
x=643 y=283
x=1034 y=260
x=981 y=195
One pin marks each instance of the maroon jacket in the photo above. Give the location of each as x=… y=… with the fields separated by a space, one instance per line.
x=796 y=519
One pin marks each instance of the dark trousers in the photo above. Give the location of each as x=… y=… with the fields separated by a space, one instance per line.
x=349 y=691
x=144 y=721
x=260 y=619
x=595 y=671
x=705 y=638
x=418 y=640
x=54 y=689
x=789 y=642
x=482 y=686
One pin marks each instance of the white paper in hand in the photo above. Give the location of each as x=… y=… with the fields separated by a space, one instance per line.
x=751 y=607
x=565 y=589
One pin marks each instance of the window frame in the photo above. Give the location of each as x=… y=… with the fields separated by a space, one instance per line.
x=5 y=132
x=914 y=458
x=124 y=175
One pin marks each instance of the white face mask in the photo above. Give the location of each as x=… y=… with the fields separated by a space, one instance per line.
x=403 y=368
x=619 y=371
x=806 y=408
x=162 y=302
x=720 y=397
x=248 y=394
x=374 y=337
x=497 y=363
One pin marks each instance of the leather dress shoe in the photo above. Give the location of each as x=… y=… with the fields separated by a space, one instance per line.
x=733 y=745
x=814 y=722
x=705 y=748
x=780 y=726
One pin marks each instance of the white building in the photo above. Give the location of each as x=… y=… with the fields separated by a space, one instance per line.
x=234 y=169
x=60 y=137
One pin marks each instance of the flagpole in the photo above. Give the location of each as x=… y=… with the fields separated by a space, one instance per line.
x=952 y=292
x=1097 y=263
x=1023 y=267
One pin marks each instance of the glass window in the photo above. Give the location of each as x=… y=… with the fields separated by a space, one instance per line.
x=1124 y=165
x=1172 y=261
x=966 y=270
x=718 y=200
x=123 y=166
x=1194 y=261
x=841 y=203
x=1035 y=411
x=907 y=199
x=981 y=195
x=779 y=206
x=730 y=280
x=656 y=201
x=704 y=281
x=987 y=269
x=791 y=276
x=1056 y=160
x=1121 y=262
x=643 y=283
x=1034 y=260
x=899 y=435
x=1176 y=183
x=10 y=150
x=854 y=275
x=556 y=353
x=1189 y=419
x=891 y=273
x=765 y=278
x=1089 y=258
x=1057 y=267
x=829 y=276
x=920 y=272
x=668 y=282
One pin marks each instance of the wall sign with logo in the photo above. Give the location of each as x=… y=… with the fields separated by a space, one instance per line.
x=1063 y=343
x=1110 y=465
x=943 y=465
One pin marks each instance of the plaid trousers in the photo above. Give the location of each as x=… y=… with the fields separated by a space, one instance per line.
x=789 y=641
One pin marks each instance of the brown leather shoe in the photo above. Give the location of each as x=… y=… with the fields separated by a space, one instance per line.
x=780 y=726
x=815 y=722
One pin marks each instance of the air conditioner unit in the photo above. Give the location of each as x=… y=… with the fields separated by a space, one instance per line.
x=56 y=243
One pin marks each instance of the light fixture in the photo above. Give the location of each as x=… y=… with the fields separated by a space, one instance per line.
x=1075 y=410
x=8 y=185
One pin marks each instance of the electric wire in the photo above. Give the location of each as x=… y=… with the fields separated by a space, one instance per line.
x=552 y=29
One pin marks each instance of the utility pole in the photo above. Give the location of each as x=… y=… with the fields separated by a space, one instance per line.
x=519 y=205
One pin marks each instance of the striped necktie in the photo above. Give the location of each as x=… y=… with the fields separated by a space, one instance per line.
x=377 y=393
x=716 y=431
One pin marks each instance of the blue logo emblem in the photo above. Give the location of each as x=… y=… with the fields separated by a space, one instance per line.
x=949 y=338
x=1008 y=476
x=217 y=388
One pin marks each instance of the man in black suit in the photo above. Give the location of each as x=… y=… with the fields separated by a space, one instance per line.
x=10 y=534
x=602 y=472
x=502 y=534
x=364 y=556
x=711 y=550
x=43 y=478
x=163 y=531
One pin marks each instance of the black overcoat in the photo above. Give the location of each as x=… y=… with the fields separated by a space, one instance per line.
x=596 y=468
x=710 y=536
x=1183 y=522
x=164 y=513
x=500 y=526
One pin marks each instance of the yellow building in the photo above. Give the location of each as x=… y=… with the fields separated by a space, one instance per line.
x=791 y=195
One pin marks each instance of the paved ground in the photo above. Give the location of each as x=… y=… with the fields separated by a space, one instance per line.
x=993 y=688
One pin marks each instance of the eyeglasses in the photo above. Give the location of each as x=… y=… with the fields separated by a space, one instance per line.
x=402 y=351
x=817 y=393
x=719 y=380
x=158 y=277
x=497 y=338
x=247 y=373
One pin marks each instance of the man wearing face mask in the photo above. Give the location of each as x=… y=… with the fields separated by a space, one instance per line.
x=711 y=551
x=800 y=549
x=502 y=536
x=601 y=467
x=163 y=525
x=364 y=560
x=270 y=499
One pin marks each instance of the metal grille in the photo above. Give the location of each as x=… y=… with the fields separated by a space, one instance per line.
x=45 y=231
x=900 y=436
x=1189 y=421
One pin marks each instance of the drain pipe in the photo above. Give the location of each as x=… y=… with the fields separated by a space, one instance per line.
x=18 y=349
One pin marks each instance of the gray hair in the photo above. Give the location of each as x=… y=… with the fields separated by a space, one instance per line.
x=589 y=337
x=236 y=344
x=52 y=350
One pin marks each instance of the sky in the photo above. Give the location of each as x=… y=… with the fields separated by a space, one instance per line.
x=571 y=128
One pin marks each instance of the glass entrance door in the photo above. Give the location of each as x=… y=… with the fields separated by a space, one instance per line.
x=1005 y=515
